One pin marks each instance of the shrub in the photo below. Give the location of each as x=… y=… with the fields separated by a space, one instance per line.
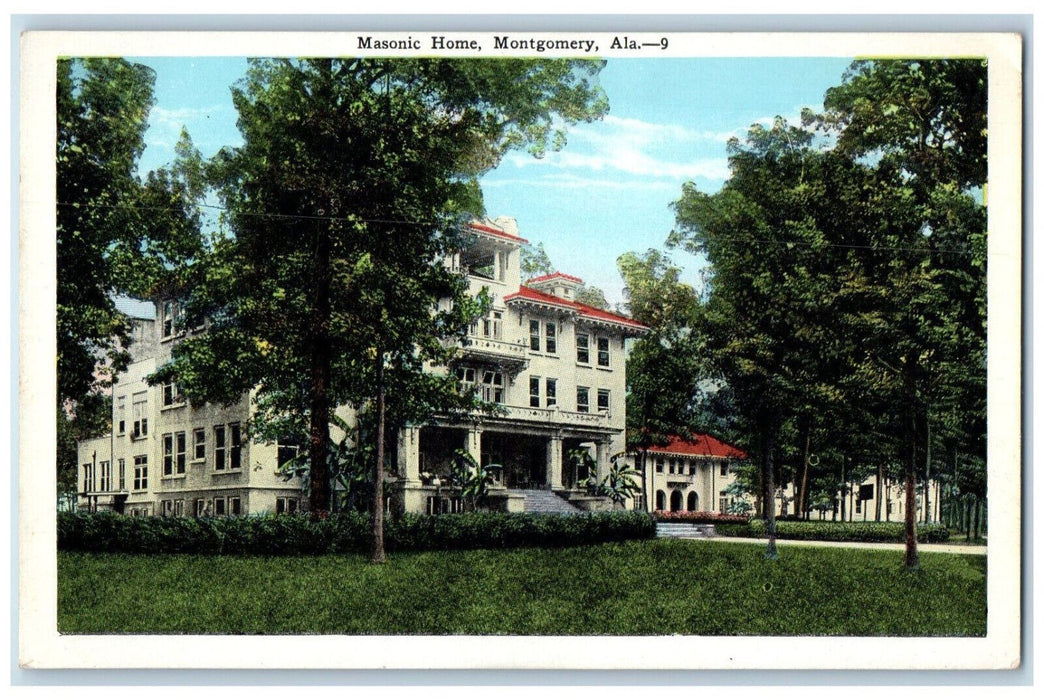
x=697 y=516
x=829 y=531
x=273 y=535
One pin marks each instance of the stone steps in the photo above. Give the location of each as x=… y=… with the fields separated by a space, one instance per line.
x=684 y=530
x=540 y=501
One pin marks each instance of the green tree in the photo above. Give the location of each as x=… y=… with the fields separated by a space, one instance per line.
x=778 y=236
x=535 y=261
x=923 y=123
x=350 y=188
x=663 y=368
x=115 y=234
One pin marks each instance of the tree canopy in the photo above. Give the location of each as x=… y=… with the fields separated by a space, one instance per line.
x=352 y=185
x=848 y=272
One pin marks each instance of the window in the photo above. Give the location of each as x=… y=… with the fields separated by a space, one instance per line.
x=534 y=336
x=234 y=507
x=603 y=352
x=550 y=392
x=199 y=442
x=106 y=476
x=551 y=338
x=168 y=454
x=603 y=400
x=534 y=392
x=173 y=454
x=123 y=475
x=141 y=420
x=859 y=505
x=723 y=502
x=219 y=507
x=583 y=349
x=492 y=386
x=219 y=447
x=180 y=449
x=88 y=477
x=724 y=469
x=141 y=472
x=235 y=446
x=287 y=450
x=171 y=317
x=692 y=468
x=171 y=394
x=121 y=415
x=466 y=379
x=179 y=508
x=583 y=404
x=286 y=505
x=492 y=325
x=659 y=465
x=201 y=508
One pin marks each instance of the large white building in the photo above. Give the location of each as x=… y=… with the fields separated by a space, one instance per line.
x=555 y=366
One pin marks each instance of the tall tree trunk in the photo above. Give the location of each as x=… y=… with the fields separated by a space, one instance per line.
x=844 y=485
x=801 y=507
x=909 y=381
x=912 y=558
x=975 y=518
x=378 y=469
x=768 y=468
x=878 y=497
x=927 y=469
x=319 y=403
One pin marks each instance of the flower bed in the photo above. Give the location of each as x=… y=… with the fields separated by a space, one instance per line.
x=705 y=517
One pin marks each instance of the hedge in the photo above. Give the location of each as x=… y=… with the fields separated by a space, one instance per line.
x=830 y=531
x=343 y=533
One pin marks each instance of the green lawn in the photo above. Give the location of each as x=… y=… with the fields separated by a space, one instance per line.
x=634 y=588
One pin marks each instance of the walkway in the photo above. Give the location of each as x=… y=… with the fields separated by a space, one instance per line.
x=895 y=546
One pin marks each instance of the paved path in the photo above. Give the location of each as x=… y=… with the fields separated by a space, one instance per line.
x=895 y=546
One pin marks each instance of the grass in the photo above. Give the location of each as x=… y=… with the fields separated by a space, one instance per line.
x=633 y=588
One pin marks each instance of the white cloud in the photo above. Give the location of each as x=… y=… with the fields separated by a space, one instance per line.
x=623 y=146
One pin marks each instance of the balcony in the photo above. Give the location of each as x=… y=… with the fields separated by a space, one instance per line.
x=557 y=416
x=512 y=357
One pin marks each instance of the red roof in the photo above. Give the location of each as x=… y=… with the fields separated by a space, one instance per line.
x=555 y=275
x=497 y=232
x=701 y=445
x=529 y=294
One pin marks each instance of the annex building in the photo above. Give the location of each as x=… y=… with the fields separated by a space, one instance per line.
x=556 y=367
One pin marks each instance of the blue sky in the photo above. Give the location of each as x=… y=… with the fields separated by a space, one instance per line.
x=609 y=190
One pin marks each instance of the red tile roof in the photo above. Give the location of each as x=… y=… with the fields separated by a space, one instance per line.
x=555 y=275
x=529 y=294
x=497 y=232
x=701 y=445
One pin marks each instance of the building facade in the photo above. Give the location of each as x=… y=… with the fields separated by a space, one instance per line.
x=690 y=474
x=556 y=369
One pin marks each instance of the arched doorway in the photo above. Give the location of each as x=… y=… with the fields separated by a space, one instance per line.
x=694 y=502
x=661 y=500
x=676 y=500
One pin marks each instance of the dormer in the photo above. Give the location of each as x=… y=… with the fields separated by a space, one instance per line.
x=557 y=284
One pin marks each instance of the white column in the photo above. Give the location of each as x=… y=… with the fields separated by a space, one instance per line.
x=474 y=444
x=602 y=458
x=409 y=454
x=554 y=462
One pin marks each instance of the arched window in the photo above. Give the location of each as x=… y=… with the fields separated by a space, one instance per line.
x=694 y=502
x=676 y=500
x=661 y=500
